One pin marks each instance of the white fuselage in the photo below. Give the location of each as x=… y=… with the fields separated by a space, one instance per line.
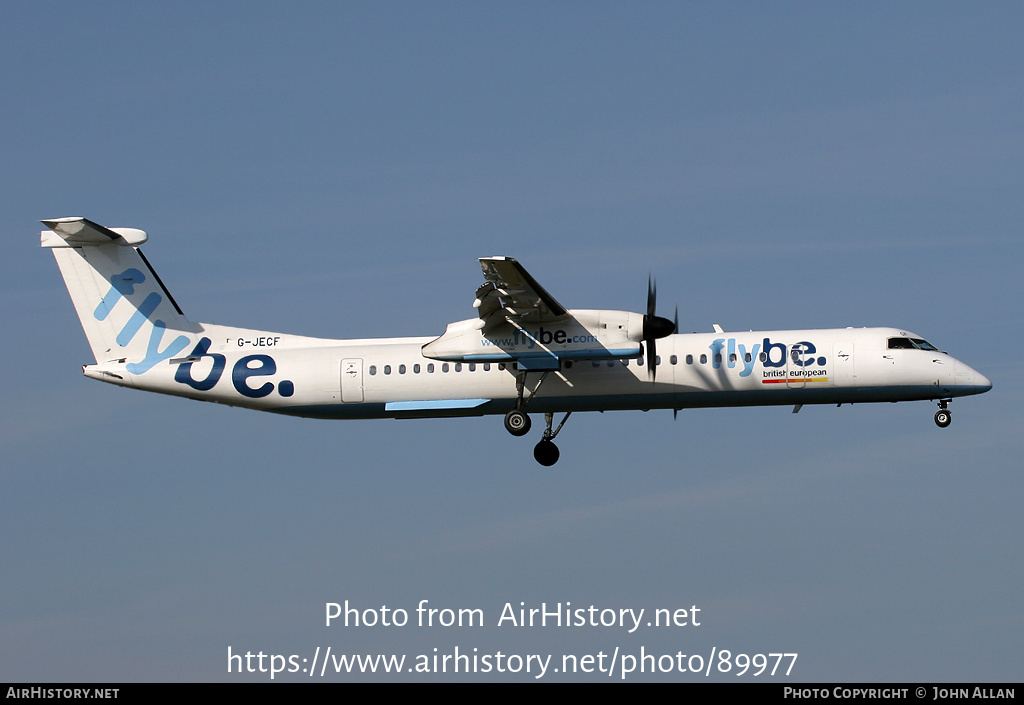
x=391 y=378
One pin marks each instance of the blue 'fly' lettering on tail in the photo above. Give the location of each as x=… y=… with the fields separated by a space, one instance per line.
x=141 y=315
x=122 y=284
x=153 y=353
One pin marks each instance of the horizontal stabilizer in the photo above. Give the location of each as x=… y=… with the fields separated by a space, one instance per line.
x=82 y=232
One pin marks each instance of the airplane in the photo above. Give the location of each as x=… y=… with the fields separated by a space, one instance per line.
x=523 y=352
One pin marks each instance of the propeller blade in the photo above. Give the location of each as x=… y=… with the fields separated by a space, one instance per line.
x=655 y=327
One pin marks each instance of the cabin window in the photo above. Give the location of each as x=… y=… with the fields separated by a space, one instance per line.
x=732 y=358
x=704 y=359
x=718 y=358
x=401 y=369
x=747 y=357
x=595 y=363
x=373 y=370
x=763 y=356
x=458 y=367
x=639 y=361
x=430 y=367
x=689 y=359
x=472 y=367
x=657 y=359
x=568 y=364
x=444 y=367
x=674 y=359
x=387 y=369
x=416 y=369
x=487 y=367
x=501 y=366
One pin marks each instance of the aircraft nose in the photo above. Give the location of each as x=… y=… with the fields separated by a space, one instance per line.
x=971 y=380
x=982 y=381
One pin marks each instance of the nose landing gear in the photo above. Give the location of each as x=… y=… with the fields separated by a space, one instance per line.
x=943 y=417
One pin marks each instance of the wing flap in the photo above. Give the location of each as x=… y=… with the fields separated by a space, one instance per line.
x=511 y=294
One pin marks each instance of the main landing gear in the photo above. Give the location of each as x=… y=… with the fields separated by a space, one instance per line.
x=943 y=417
x=517 y=422
x=545 y=451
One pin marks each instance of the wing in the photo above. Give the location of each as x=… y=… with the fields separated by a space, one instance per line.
x=511 y=294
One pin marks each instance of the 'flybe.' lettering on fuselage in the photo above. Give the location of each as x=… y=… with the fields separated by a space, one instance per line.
x=733 y=354
x=243 y=373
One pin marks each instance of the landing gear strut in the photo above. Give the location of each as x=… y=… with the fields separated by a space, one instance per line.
x=943 y=417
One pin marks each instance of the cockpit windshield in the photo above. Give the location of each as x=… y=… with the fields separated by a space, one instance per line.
x=911 y=344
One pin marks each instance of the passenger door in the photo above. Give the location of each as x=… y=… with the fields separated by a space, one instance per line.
x=352 y=380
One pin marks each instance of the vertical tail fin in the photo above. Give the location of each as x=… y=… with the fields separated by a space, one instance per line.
x=126 y=311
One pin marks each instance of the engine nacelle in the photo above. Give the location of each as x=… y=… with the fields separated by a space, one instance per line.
x=582 y=335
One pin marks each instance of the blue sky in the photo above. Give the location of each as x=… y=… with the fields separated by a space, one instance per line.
x=335 y=169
